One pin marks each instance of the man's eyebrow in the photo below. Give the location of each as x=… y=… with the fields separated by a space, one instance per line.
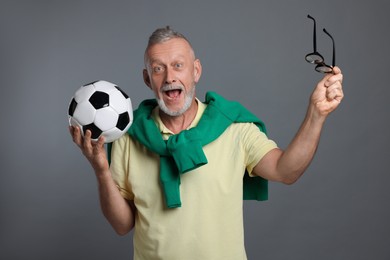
x=154 y=61
x=174 y=59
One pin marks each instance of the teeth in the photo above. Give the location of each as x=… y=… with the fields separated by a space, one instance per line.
x=170 y=87
x=172 y=91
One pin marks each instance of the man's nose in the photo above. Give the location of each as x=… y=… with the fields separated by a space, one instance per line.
x=170 y=76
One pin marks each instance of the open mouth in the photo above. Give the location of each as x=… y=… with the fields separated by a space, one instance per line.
x=172 y=91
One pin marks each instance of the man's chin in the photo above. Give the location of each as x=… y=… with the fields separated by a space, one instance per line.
x=176 y=106
x=170 y=111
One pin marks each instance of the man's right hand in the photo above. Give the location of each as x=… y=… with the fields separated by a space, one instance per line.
x=93 y=151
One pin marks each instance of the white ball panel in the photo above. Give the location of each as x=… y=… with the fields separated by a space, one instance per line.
x=84 y=113
x=130 y=111
x=106 y=118
x=118 y=102
x=104 y=86
x=84 y=93
x=112 y=134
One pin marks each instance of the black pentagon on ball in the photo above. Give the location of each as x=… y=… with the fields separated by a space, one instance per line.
x=95 y=131
x=99 y=99
x=123 y=93
x=72 y=107
x=123 y=121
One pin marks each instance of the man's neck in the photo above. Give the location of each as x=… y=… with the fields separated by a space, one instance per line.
x=179 y=123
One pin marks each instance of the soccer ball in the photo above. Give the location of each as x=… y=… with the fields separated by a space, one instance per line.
x=103 y=108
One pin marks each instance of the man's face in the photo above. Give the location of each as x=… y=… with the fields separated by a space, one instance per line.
x=172 y=73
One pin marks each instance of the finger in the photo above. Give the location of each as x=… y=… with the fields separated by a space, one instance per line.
x=327 y=80
x=331 y=95
x=336 y=70
x=334 y=79
x=76 y=134
x=101 y=141
x=70 y=128
x=335 y=85
x=87 y=146
x=99 y=145
x=335 y=76
x=339 y=95
x=335 y=92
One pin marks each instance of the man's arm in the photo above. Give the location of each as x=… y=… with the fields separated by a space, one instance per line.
x=118 y=211
x=288 y=165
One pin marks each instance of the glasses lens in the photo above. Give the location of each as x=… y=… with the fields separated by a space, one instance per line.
x=324 y=68
x=314 y=58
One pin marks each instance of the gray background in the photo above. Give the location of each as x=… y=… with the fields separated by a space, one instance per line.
x=251 y=51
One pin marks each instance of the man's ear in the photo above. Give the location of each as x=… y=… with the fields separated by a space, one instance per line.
x=146 y=78
x=197 y=70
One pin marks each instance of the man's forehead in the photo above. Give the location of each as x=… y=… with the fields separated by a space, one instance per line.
x=176 y=47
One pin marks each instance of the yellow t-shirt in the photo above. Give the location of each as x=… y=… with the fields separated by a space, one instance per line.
x=209 y=225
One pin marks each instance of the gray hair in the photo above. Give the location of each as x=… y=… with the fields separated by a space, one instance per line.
x=161 y=35
x=164 y=34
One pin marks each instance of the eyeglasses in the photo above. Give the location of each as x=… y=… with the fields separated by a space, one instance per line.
x=316 y=58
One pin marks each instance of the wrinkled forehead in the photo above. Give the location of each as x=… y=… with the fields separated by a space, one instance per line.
x=169 y=48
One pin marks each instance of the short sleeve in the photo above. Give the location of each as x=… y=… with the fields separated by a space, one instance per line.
x=119 y=166
x=256 y=144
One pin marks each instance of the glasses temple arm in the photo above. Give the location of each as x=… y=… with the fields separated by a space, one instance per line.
x=334 y=48
x=314 y=33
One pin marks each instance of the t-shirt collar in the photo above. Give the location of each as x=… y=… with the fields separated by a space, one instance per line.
x=164 y=130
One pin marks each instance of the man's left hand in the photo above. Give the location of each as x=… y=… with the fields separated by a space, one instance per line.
x=328 y=93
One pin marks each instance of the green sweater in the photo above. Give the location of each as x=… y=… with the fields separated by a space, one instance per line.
x=183 y=152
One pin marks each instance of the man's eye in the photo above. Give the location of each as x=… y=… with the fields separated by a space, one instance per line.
x=178 y=65
x=158 y=69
